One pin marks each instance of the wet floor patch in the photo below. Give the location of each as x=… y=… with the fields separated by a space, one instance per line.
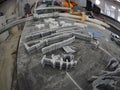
x=95 y=33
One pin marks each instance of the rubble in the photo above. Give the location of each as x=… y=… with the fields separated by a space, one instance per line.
x=108 y=80
x=40 y=26
x=49 y=20
x=62 y=23
x=104 y=83
x=53 y=24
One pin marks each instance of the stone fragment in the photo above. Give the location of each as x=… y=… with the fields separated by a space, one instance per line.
x=68 y=49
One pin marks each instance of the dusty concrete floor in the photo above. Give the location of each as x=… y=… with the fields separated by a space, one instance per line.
x=106 y=42
x=8 y=7
x=31 y=76
x=48 y=78
x=8 y=49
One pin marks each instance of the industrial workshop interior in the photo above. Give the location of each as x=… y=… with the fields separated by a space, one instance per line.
x=59 y=44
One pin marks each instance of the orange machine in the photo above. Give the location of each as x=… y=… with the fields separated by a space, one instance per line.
x=72 y=4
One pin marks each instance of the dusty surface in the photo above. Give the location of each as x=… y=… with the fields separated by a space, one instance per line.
x=8 y=49
x=8 y=7
x=106 y=42
x=90 y=63
x=31 y=76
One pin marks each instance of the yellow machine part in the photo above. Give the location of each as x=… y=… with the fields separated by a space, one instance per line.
x=82 y=14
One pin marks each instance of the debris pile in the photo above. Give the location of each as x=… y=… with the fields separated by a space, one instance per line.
x=108 y=79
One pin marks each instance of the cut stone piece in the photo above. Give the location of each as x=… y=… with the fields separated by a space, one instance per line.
x=68 y=49
x=58 y=61
x=39 y=35
x=40 y=26
x=82 y=36
x=58 y=38
x=58 y=45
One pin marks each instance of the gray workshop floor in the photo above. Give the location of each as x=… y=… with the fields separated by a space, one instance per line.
x=31 y=75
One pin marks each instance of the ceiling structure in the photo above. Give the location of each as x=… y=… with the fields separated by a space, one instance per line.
x=115 y=1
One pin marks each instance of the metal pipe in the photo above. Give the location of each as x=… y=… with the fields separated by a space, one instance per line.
x=69 y=3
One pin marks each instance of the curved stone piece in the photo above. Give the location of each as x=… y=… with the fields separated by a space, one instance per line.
x=58 y=45
x=113 y=64
x=58 y=38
